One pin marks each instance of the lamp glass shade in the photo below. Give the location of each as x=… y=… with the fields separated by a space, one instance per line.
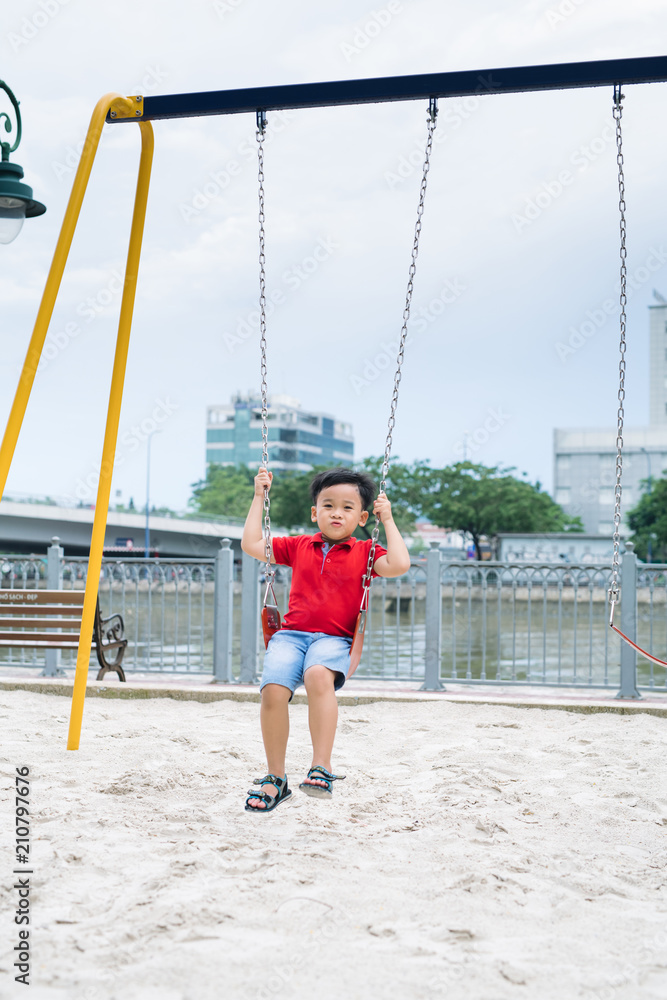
x=12 y=216
x=16 y=201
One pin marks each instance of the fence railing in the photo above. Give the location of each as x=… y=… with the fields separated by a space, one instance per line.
x=462 y=622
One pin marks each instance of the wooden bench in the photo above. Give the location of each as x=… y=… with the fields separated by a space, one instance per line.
x=45 y=619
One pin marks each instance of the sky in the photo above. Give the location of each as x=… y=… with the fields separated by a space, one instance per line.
x=511 y=334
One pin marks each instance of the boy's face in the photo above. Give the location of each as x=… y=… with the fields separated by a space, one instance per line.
x=338 y=511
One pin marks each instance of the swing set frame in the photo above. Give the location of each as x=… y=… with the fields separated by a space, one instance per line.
x=114 y=108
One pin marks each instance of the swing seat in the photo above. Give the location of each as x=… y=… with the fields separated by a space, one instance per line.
x=357 y=642
x=271 y=622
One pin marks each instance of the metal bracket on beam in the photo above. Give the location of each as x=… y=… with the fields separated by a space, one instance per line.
x=120 y=111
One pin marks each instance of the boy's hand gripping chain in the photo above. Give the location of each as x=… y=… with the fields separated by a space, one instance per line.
x=614 y=590
x=270 y=614
x=360 y=629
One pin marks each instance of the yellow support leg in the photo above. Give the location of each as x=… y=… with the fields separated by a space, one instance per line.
x=52 y=286
x=110 y=437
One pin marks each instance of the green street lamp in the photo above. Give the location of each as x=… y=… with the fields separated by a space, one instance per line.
x=16 y=200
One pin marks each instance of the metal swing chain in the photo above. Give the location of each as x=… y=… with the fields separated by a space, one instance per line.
x=614 y=591
x=259 y=135
x=431 y=120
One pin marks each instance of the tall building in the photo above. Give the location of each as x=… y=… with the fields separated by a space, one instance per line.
x=585 y=458
x=297 y=440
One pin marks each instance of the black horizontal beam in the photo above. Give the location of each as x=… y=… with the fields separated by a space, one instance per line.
x=512 y=80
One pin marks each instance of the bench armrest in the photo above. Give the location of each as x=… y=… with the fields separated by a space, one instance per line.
x=112 y=629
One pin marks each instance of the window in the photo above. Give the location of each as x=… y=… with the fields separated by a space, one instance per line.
x=563 y=495
x=606 y=497
x=563 y=466
x=218 y=434
x=606 y=528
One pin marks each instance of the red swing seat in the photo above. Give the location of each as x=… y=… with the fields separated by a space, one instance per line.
x=271 y=620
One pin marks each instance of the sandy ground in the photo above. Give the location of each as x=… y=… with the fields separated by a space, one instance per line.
x=474 y=851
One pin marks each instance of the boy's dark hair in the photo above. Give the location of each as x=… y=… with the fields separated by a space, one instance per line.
x=335 y=477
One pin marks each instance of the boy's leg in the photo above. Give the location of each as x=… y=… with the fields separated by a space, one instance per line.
x=322 y=715
x=280 y=675
x=274 y=717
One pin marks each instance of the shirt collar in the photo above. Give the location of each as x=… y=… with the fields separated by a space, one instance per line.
x=317 y=539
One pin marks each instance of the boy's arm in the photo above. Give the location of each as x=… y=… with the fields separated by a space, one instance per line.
x=252 y=541
x=397 y=560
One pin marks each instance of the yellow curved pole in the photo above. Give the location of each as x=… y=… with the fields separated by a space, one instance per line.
x=54 y=278
x=110 y=436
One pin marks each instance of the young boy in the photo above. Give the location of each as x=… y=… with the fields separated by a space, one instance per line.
x=313 y=644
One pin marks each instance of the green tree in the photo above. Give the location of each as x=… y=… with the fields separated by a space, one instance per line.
x=290 y=498
x=227 y=490
x=484 y=500
x=405 y=486
x=648 y=520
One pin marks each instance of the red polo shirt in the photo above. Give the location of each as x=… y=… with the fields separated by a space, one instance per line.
x=326 y=587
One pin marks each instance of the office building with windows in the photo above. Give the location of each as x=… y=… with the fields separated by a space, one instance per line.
x=585 y=458
x=297 y=439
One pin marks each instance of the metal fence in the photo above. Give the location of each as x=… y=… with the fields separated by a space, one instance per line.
x=167 y=607
x=462 y=622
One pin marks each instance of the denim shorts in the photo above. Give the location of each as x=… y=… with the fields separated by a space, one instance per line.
x=290 y=653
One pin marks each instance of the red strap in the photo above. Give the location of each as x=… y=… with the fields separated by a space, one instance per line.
x=649 y=656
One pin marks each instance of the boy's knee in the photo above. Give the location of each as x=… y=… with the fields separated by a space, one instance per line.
x=318 y=677
x=275 y=694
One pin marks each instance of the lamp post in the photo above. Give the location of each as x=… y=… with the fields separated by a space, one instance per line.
x=147 y=539
x=650 y=489
x=16 y=200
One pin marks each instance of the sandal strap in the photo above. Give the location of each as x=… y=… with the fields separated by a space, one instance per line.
x=327 y=774
x=270 y=779
x=264 y=796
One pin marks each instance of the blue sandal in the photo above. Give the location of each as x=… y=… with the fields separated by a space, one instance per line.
x=321 y=773
x=271 y=800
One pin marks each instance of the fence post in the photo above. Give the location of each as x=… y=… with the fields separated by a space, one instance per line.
x=629 y=623
x=223 y=612
x=54 y=581
x=433 y=644
x=249 y=618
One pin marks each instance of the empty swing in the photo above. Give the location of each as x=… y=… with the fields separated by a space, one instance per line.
x=614 y=590
x=271 y=620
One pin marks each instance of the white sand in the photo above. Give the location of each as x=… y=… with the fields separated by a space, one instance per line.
x=474 y=851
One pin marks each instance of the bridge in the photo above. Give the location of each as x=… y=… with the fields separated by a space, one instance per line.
x=28 y=525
